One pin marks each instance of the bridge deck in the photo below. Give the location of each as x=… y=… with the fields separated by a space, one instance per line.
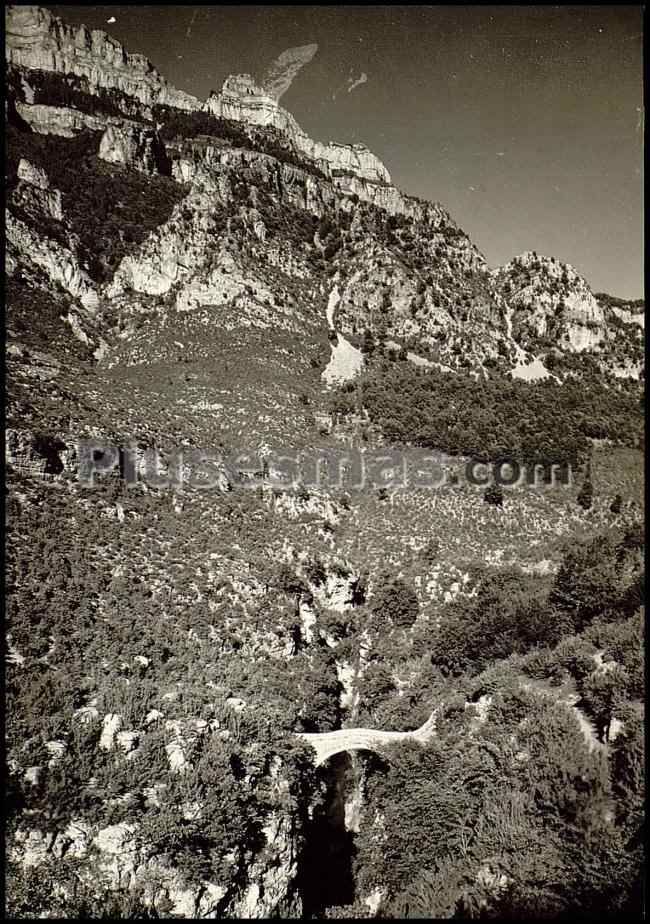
x=327 y=744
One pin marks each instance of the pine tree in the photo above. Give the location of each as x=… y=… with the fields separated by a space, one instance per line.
x=368 y=342
x=586 y=496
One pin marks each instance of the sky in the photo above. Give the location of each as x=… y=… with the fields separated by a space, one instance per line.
x=525 y=122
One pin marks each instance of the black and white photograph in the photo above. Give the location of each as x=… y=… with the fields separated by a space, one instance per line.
x=324 y=462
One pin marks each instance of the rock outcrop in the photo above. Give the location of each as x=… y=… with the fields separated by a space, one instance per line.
x=169 y=255
x=204 y=162
x=38 y=40
x=58 y=120
x=59 y=263
x=34 y=193
x=272 y=875
x=35 y=176
x=550 y=301
x=134 y=145
x=242 y=100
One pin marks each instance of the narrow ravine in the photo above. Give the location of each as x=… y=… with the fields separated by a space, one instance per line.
x=326 y=870
x=325 y=876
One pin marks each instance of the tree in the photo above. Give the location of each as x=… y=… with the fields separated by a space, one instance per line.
x=494 y=495
x=585 y=496
x=332 y=248
x=430 y=552
x=302 y=494
x=397 y=602
x=368 y=343
x=289 y=582
x=628 y=776
x=378 y=686
x=315 y=571
x=603 y=693
x=633 y=540
x=616 y=505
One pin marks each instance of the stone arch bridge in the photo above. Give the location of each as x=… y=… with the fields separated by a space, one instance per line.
x=327 y=744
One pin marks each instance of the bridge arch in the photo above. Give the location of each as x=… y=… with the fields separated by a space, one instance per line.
x=327 y=744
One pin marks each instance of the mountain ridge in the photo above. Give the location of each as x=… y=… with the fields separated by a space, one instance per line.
x=38 y=41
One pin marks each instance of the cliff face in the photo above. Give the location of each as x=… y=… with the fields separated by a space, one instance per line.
x=59 y=263
x=550 y=301
x=196 y=160
x=58 y=120
x=35 y=39
x=243 y=101
x=34 y=192
x=134 y=145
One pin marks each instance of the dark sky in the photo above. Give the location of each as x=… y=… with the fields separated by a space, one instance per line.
x=525 y=122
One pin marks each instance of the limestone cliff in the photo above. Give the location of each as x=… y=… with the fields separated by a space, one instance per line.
x=113 y=858
x=551 y=302
x=242 y=100
x=196 y=159
x=58 y=120
x=34 y=192
x=59 y=263
x=134 y=145
x=35 y=39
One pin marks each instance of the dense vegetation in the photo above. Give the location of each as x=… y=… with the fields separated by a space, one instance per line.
x=81 y=626
x=520 y=796
x=69 y=90
x=493 y=418
x=514 y=614
x=111 y=210
x=468 y=801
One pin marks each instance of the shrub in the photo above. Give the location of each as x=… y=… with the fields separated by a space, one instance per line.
x=494 y=495
x=585 y=496
x=430 y=552
x=396 y=602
